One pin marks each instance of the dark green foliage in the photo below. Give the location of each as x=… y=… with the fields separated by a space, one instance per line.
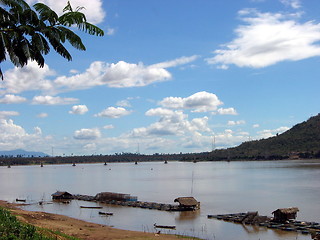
x=12 y=229
x=26 y=34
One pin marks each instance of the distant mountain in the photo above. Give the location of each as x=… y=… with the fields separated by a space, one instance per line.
x=301 y=141
x=22 y=153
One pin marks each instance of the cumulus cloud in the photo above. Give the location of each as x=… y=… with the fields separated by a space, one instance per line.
x=6 y=114
x=79 y=109
x=272 y=132
x=113 y=112
x=233 y=123
x=92 y=9
x=14 y=136
x=268 y=38
x=28 y=78
x=171 y=123
x=198 y=102
x=49 y=100
x=87 y=134
x=114 y=75
x=227 y=111
x=10 y=98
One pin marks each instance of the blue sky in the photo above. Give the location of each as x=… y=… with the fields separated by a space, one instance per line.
x=169 y=76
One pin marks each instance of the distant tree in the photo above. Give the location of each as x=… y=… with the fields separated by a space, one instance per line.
x=26 y=33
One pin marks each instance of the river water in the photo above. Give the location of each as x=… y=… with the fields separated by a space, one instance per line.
x=221 y=187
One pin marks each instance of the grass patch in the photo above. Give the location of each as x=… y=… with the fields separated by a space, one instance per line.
x=12 y=229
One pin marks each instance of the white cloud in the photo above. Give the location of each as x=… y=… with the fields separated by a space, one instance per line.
x=110 y=31
x=123 y=103
x=269 y=38
x=92 y=9
x=6 y=114
x=87 y=134
x=14 y=136
x=113 y=112
x=171 y=123
x=255 y=125
x=198 y=102
x=114 y=75
x=49 y=100
x=28 y=78
x=42 y=115
x=234 y=123
x=272 y=132
x=159 y=112
x=10 y=98
x=110 y=126
x=227 y=111
x=175 y=62
x=79 y=109
x=292 y=3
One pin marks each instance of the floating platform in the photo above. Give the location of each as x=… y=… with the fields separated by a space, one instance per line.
x=137 y=204
x=253 y=218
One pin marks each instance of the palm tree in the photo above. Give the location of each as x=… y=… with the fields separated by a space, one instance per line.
x=27 y=33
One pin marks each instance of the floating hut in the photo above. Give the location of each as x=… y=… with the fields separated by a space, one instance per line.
x=61 y=195
x=285 y=214
x=187 y=203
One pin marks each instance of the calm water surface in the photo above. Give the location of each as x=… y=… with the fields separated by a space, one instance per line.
x=221 y=187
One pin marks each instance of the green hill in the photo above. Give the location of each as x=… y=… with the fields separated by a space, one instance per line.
x=301 y=141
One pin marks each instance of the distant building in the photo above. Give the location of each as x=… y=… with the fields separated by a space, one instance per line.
x=187 y=203
x=285 y=214
x=62 y=195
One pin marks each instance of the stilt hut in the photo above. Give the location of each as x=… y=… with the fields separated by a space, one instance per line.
x=61 y=195
x=285 y=214
x=187 y=203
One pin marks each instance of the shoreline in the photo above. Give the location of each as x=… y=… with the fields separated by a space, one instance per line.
x=79 y=228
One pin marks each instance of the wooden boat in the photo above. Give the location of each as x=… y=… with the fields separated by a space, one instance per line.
x=93 y=207
x=106 y=213
x=20 y=200
x=164 y=226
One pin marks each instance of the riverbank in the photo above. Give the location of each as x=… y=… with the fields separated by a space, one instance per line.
x=78 y=228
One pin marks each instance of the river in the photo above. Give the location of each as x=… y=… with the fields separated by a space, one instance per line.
x=221 y=187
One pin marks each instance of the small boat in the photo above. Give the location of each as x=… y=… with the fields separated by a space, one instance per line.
x=94 y=207
x=73 y=164
x=165 y=162
x=20 y=200
x=106 y=213
x=164 y=226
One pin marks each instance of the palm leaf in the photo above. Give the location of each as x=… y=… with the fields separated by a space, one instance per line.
x=73 y=38
x=46 y=13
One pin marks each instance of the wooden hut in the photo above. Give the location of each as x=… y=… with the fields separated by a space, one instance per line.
x=285 y=214
x=61 y=195
x=187 y=203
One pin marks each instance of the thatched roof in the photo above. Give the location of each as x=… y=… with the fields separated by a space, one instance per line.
x=186 y=201
x=287 y=210
x=59 y=194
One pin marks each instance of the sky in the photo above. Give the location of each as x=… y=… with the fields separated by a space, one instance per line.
x=169 y=76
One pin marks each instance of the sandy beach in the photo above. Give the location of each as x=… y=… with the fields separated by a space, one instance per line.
x=78 y=228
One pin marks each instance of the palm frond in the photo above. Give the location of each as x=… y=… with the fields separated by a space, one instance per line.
x=72 y=18
x=15 y=3
x=73 y=38
x=46 y=13
x=91 y=29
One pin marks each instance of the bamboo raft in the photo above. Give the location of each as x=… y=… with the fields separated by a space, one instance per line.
x=264 y=221
x=136 y=204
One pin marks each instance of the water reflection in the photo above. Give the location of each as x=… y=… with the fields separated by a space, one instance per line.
x=221 y=188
